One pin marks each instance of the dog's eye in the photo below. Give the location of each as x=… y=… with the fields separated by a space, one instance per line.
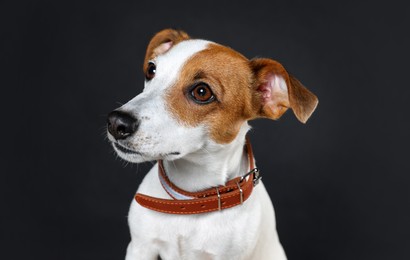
x=151 y=70
x=202 y=94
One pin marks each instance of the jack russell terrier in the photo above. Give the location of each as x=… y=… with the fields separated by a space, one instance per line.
x=203 y=198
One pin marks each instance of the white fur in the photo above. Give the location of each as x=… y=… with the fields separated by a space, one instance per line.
x=159 y=134
x=242 y=232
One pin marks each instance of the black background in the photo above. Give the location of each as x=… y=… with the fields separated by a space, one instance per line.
x=339 y=183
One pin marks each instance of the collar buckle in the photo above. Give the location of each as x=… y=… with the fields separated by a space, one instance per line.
x=256 y=176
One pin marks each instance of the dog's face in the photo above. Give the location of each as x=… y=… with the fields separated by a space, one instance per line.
x=198 y=93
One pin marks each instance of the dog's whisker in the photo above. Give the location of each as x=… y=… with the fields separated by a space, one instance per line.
x=150 y=161
x=175 y=166
x=208 y=153
x=138 y=167
x=126 y=163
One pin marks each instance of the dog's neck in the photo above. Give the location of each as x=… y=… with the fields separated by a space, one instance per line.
x=211 y=166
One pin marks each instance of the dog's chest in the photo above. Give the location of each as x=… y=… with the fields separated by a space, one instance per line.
x=204 y=236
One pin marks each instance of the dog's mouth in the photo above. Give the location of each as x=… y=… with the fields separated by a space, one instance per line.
x=125 y=149
x=130 y=151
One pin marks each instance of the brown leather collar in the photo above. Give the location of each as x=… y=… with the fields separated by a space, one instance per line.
x=235 y=192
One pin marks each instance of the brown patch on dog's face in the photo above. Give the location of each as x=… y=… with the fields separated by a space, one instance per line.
x=230 y=78
x=243 y=90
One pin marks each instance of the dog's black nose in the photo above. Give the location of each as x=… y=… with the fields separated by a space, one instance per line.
x=121 y=124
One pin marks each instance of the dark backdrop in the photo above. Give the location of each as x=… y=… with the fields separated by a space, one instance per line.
x=339 y=183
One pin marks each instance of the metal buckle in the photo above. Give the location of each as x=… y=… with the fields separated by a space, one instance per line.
x=219 y=198
x=256 y=176
x=240 y=192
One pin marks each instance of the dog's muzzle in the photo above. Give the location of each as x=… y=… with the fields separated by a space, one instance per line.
x=121 y=124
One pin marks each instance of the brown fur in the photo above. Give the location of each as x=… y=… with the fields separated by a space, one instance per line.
x=302 y=101
x=299 y=98
x=229 y=76
x=236 y=82
x=263 y=68
x=164 y=36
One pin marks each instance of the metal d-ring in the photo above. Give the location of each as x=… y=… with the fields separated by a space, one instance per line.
x=256 y=175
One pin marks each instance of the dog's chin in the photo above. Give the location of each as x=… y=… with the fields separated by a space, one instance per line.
x=133 y=156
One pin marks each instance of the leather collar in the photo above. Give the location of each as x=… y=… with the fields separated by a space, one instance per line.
x=235 y=192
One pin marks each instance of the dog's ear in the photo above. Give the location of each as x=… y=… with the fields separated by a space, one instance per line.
x=162 y=42
x=275 y=91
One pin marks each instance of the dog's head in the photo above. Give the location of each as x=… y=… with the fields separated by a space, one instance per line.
x=197 y=93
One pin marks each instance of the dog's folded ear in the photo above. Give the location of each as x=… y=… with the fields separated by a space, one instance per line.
x=275 y=91
x=162 y=42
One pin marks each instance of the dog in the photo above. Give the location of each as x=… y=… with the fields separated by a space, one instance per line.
x=202 y=199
